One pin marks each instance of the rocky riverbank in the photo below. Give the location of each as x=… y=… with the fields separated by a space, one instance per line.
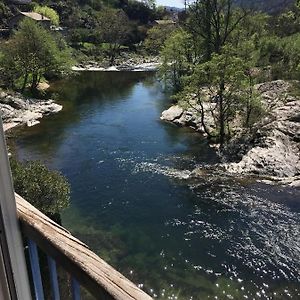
x=272 y=149
x=18 y=110
x=134 y=64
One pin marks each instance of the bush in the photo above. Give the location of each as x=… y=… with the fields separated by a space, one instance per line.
x=47 y=190
x=49 y=13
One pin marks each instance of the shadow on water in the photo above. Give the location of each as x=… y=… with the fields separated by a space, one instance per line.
x=135 y=204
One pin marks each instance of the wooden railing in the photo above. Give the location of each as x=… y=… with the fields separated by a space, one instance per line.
x=61 y=248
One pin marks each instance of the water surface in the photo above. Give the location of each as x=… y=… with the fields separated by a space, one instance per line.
x=133 y=202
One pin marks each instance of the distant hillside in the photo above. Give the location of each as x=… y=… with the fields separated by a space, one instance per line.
x=270 y=6
x=174 y=9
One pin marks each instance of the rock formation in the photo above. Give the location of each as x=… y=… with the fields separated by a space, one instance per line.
x=272 y=148
x=17 y=110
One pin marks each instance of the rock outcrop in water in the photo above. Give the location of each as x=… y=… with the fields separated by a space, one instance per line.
x=189 y=117
x=272 y=149
x=17 y=110
x=136 y=64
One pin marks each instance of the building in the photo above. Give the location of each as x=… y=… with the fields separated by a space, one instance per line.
x=14 y=21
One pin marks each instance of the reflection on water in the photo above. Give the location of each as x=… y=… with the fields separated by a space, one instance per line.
x=135 y=203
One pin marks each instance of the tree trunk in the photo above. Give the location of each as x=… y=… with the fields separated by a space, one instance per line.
x=34 y=82
x=203 y=121
x=249 y=102
x=24 y=83
x=208 y=42
x=112 y=54
x=222 y=118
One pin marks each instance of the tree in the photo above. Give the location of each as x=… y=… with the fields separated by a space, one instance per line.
x=47 y=190
x=156 y=37
x=32 y=53
x=177 y=57
x=49 y=13
x=213 y=22
x=150 y=3
x=226 y=82
x=113 y=28
x=139 y=11
x=5 y=14
x=186 y=4
x=10 y=70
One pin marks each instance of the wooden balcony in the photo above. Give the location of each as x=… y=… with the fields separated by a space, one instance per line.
x=84 y=266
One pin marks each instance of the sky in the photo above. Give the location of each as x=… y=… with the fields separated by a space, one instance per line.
x=176 y=3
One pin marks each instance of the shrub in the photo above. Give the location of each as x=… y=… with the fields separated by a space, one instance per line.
x=47 y=190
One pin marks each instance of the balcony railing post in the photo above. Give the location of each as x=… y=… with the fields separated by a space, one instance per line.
x=35 y=270
x=75 y=289
x=53 y=278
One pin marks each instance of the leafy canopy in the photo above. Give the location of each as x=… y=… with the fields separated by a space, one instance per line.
x=47 y=190
x=49 y=13
x=33 y=53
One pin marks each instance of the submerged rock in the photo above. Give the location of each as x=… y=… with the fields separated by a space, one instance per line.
x=17 y=110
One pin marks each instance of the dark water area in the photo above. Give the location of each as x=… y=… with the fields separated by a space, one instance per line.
x=134 y=204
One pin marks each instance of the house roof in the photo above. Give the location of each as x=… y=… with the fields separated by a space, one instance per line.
x=165 y=22
x=35 y=16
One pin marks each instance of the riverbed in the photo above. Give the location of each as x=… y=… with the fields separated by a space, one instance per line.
x=134 y=203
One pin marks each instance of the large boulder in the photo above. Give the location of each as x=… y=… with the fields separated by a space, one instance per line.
x=171 y=114
x=17 y=110
x=275 y=147
x=16 y=101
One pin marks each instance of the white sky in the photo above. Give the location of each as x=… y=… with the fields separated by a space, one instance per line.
x=176 y=3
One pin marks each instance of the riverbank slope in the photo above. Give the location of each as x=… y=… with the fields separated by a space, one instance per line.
x=272 y=148
x=134 y=64
x=17 y=110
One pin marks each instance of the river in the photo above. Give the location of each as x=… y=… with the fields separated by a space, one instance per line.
x=133 y=203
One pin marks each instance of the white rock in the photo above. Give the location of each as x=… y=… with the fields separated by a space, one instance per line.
x=32 y=123
x=174 y=112
x=112 y=68
x=17 y=110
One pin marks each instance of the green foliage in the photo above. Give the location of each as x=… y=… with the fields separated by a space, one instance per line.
x=288 y=22
x=222 y=54
x=33 y=53
x=156 y=37
x=139 y=11
x=49 y=13
x=177 y=57
x=282 y=54
x=5 y=14
x=150 y=3
x=113 y=28
x=214 y=23
x=230 y=85
x=47 y=190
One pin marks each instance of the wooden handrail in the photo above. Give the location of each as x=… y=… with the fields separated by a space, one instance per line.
x=102 y=280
